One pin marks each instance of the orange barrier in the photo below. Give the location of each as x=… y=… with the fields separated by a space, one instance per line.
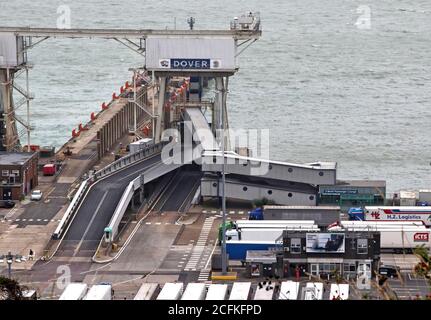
x=104 y=106
x=114 y=96
x=74 y=133
x=93 y=116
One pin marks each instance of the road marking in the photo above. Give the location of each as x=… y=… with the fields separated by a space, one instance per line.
x=147 y=222
x=17 y=220
x=24 y=219
x=91 y=222
x=45 y=220
x=30 y=220
x=158 y=223
x=204 y=211
x=39 y=220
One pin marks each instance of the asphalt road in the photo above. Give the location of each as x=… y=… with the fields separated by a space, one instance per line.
x=179 y=191
x=96 y=210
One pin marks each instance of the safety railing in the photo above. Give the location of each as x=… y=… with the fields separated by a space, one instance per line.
x=112 y=229
x=129 y=159
x=71 y=209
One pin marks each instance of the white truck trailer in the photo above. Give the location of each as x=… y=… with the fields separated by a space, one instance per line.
x=240 y=291
x=289 y=290
x=339 y=291
x=266 y=234
x=99 y=292
x=74 y=291
x=385 y=213
x=147 y=291
x=217 y=292
x=171 y=291
x=266 y=292
x=274 y=223
x=195 y=291
x=395 y=238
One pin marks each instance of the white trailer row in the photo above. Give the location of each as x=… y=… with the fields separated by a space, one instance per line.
x=289 y=290
x=79 y=291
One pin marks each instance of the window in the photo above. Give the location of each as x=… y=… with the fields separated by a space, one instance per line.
x=244 y=188
x=269 y=191
x=5 y=173
x=321 y=173
x=289 y=195
x=362 y=246
x=295 y=245
x=16 y=173
x=349 y=267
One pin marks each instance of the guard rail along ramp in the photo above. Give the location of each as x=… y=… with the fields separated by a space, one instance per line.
x=129 y=159
x=112 y=229
x=111 y=168
x=74 y=204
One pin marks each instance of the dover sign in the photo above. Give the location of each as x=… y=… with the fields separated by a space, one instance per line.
x=189 y=64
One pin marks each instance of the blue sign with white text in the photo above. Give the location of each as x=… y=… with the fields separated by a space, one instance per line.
x=190 y=64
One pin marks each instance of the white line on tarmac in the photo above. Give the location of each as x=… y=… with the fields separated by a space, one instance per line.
x=91 y=222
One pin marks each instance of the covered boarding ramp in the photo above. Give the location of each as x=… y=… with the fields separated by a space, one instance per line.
x=197 y=127
x=252 y=188
x=317 y=173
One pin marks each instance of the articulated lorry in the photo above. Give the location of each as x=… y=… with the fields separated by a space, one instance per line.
x=393 y=237
x=377 y=213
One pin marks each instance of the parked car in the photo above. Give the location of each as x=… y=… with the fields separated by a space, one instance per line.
x=36 y=195
x=389 y=271
x=7 y=204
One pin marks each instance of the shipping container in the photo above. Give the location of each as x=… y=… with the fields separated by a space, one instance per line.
x=407 y=198
x=274 y=223
x=289 y=290
x=147 y=291
x=99 y=292
x=171 y=291
x=240 y=291
x=425 y=196
x=195 y=291
x=322 y=215
x=217 y=292
x=74 y=291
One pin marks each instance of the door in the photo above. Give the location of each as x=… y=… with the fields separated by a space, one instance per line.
x=7 y=193
x=314 y=268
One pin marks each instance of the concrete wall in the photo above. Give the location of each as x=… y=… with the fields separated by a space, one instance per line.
x=118 y=126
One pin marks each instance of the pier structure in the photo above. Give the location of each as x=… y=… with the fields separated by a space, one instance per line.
x=170 y=60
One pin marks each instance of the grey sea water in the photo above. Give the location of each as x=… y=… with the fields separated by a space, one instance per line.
x=326 y=89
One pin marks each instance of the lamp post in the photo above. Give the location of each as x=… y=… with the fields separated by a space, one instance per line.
x=9 y=260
